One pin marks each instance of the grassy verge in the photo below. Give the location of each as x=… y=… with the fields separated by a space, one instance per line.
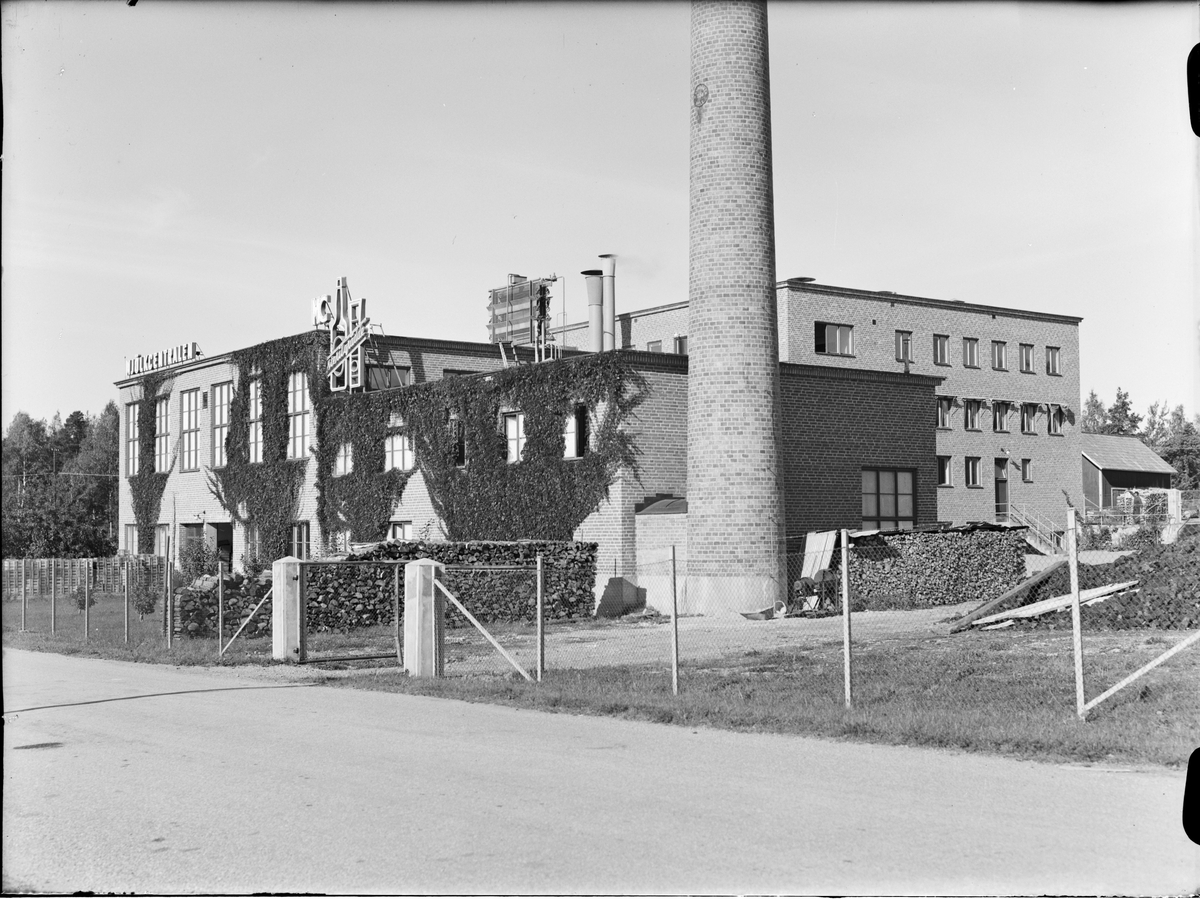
x=995 y=693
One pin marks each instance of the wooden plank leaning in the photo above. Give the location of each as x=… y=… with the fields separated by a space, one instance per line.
x=970 y=617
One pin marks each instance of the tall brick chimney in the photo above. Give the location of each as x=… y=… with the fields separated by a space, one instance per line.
x=735 y=518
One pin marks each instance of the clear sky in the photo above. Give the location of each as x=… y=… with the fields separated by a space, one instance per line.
x=181 y=171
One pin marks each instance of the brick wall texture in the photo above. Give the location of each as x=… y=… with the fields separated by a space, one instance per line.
x=735 y=514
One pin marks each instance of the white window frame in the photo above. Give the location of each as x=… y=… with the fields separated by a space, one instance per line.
x=189 y=429
x=945 y=471
x=162 y=434
x=301 y=546
x=941 y=349
x=1053 y=360
x=254 y=417
x=904 y=346
x=398 y=452
x=514 y=436
x=131 y=539
x=132 y=446
x=400 y=530
x=654 y=346
x=944 y=407
x=999 y=355
x=841 y=336
x=1029 y=418
x=299 y=413
x=971 y=471
x=1055 y=419
x=1025 y=350
x=222 y=397
x=343 y=460
x=1000 y=417
x=971 y=412
x=575 y=445
x=970 y=352
x=1027 y=471
x=680 y=344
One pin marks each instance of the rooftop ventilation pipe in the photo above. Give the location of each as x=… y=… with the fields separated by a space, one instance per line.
x=610 y=300
x=595 y=292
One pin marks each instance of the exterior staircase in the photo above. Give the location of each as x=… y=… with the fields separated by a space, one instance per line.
x=1039 y=533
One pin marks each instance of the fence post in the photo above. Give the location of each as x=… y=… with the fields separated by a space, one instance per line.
x=285 y=610
x=125 y=589
x=22 y=595
x=87 y=600
x=847 y=666
x=541 y=628
x=1076 y=630
x=168 y=605
x=53 y=597
x=220 y=609
x=674 y=627
x=396 y=612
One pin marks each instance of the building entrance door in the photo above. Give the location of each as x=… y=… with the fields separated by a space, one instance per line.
x=1002 y=489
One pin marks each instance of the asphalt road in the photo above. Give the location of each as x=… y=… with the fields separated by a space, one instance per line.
x=286 y=787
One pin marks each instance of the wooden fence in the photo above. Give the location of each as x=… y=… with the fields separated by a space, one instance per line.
x=42 y=577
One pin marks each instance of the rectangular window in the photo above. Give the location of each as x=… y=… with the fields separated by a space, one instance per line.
x=514 y=434
x=681 y=345
x=162 y=434
x=941 y=349
x=253 y=547
x=834 y=340
x=1029 y=418
x=343 y=460
x=254 y=416
x=131 y=440
x=1027 y=471
x=654 y=346
x=888 y=499
x=299 y=540
x=385 y=377
x=575 y=434
x=971 y=414
x=298 y=415
x=399 y=452
x=1027 y=357
x=189 y=429
x=1000 y=416
x=943 y=413
x=971 y=471
x=162 y=536
x=459 y=441
x=970 y=352
x=221 y=396
x=131 y=543
x=1056 y=418
x=400 y=530
x=945 y=478
x=904 y=346
x=999 y=355
x=1052 y=356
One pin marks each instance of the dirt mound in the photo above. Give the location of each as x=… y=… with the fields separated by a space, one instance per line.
x=1168 y=590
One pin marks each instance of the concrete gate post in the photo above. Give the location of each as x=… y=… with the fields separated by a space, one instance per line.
x=423 y=619
x=285 y=610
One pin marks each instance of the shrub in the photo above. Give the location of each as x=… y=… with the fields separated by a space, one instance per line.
x=196 y=559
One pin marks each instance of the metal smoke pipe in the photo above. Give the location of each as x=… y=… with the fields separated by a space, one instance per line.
x=595 y=292
x=610 y=300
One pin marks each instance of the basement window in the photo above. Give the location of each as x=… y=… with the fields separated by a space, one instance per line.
x=833 y=340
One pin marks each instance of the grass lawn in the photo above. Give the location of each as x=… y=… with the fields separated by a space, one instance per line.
x=1002 y=693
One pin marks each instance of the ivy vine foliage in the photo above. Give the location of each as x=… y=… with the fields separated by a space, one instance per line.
x=265 y=494
x=543 y=496
x=147 y=486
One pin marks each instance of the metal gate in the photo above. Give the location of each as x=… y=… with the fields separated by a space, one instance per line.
x=353 y=644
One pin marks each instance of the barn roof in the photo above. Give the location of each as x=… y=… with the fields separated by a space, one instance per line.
x=1110 y=452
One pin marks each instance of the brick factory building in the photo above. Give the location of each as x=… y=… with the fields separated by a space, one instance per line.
x=872 y=421
x=1007 y=439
